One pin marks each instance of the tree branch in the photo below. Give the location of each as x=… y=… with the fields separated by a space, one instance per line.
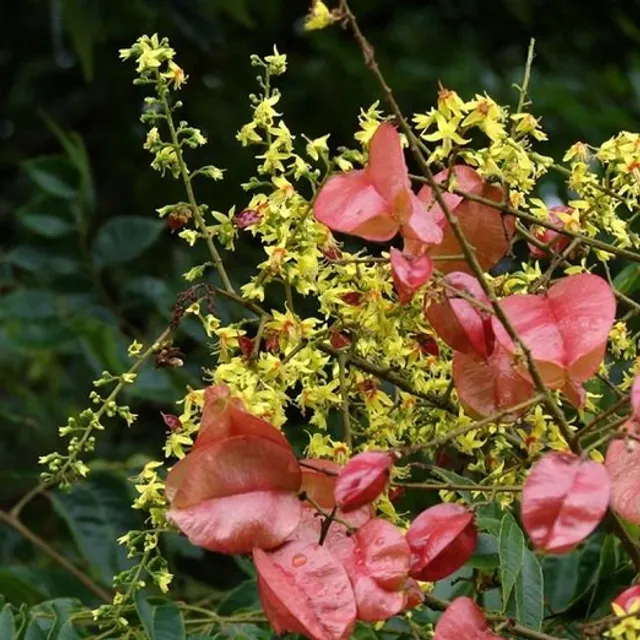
x=371 y=63
x=43 y=546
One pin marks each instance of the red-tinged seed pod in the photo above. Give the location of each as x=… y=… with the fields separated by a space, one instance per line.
x=246 y=345
x=623 y=466
x=353 y=298
x=305 y=589
x=409 y=274
x=272 y=342
x=414 y=596
x=178 y=218
x=362 y=479
x=563 y=500
x=629 y=599
x=246 y=218
x=427 y=344
x=463 y=620
x=173 y=422
x=331 y=253
x=339 y=340
x=565 y=328
x=554 y=240
x=465 y=327
x=442 y=539
x=368 y=388
x=443 y=459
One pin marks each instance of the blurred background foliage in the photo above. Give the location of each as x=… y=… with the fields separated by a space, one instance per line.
x=86 y=266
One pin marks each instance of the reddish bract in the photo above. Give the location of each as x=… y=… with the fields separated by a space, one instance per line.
x=428 y=345
x=376 y=558
x=246 y=218
x=483 y=226
x=173 y=422
x=463 y=620
x=564 y=499
x=409 y=274
x=441 y=539
x=363 y=479
x=635 y=398
x=235 y=494
x=461 y=324
x=305 y=589
x=339 y=340
x=236 y=524
x=623 y=465
x=566 y=328
x=629 y=598
x=556 y=242
x=486 y=388
x=377 y=202
x=224 y=416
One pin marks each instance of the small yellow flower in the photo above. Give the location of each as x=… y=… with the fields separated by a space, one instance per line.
x=135 y=349
x=319 y=17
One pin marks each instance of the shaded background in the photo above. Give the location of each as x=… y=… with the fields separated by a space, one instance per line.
x=75 y=283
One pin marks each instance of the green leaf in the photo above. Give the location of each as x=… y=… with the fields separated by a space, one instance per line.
x=40 y=261
x=489 y=518
x=67 y=632
x=246 y=566
x=27 y=304
x=561 y=580
x=628 y=280
x=82 y=26
x=242 y=598
x=454 y=478
x=54 y=615
x=161 y=618
x=77 y=154
x=124 y=238
x=604 y=585
x=46 y=225
x=485 y=555
x=457 y=584
x=526 y=603
x=242 y=632
x=7 y=626
x=98 y=512
x=16 y=589
x=100 y=345
x=53 y=175
x=34 y=631
x=568 y=578
x=511 y=550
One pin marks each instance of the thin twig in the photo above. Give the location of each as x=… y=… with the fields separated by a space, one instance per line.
x=461 y=431
x=195 y=210
x=344 y=393
x=371 y=63
x=45 y=484
x=604 y=415
x=524 y=89
x=439 y=486
x=326 y=514
x=527 y=217
x=43 y=546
